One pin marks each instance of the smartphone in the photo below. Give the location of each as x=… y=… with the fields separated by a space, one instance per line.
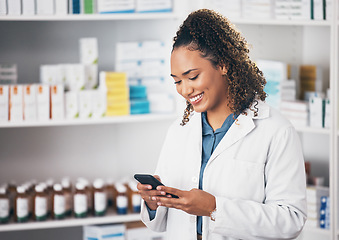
x=149 y=179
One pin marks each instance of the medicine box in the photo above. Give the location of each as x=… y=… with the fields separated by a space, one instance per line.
x=4 y=102
x=50 y=74
x=85 y=103
x=14 y=7
x=327 y=120
x=3 y=7
x=144 y=6
x=91 y=76
x=75 y=77
x=316 y=112
x=45 y=7
x=108 y=232
x=57 y=102
x=71 y=104
x=30 y=106
x=43 y=102
x=61 y=7
x=116 y=6
x=16 y=103
x=88 y=50
x=28 y=7
x=99 y=103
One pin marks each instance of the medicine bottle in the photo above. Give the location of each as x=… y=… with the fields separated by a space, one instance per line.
x=121 y=199
x=49 y=190
x=58 y=202
x=67 y=189
x=110 y=192
x=40 y=203
x=89 y=193
x=80 y=201
x=21 y=205
x=12 y=194
x=30 y=194
x=134 y=197
x=4 y=205
x=100 y=197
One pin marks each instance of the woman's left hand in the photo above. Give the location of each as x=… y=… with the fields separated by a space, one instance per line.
x=196 y=202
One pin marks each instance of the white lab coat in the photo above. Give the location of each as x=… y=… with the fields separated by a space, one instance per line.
x=256 y=174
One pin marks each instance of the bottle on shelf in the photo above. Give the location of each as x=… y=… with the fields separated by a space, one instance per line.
x=67 y=189
x=21 y=205
x=40 y=203
x=121 y=199
x=89 y=193
x=4 y=204
x=100 y=197
x=59 y=205
x=11 y=193
x=80 y=201
x=134 y=198
x=110 y=192
x=49 y=190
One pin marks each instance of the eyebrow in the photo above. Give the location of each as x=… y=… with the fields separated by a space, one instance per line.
x=185 y=73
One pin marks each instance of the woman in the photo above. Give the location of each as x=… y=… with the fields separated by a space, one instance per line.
x=234 y=162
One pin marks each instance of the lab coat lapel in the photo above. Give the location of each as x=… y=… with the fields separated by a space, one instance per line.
x=237 y=131
x=240 y=128
x=194 y=146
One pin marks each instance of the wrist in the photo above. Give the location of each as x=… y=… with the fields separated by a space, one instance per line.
x=213 y=212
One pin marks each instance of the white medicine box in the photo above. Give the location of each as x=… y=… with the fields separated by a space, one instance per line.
x=43 y=102
x=316 y=112
x=88 y=50
x=4 y=102
x=71 y=105
x=153 y=6
x=57 y=102
x=16 y=103
x=85 y=103
x=30 y=113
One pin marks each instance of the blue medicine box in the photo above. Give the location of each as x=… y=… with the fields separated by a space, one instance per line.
x=137 y=92
x=141 y=106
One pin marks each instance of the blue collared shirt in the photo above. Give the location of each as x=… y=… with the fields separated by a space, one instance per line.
x=210 y=140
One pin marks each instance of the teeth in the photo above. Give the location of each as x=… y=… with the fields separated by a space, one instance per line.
x=196 y=98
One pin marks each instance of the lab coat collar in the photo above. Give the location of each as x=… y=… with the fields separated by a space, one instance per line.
x=239 y=129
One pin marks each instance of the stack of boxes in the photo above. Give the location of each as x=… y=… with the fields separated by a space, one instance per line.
x=116 y=86
x=314 y=196
x=8 y=73
x=138 y=99
x=145 y=64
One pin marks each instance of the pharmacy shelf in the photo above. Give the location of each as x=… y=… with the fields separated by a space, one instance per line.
x=286 y=22
x=90 y=121
x=70 y=222
x=317 y=230
x=91 y=17
x=312 y=130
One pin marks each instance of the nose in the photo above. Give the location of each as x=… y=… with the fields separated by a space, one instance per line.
x=186 y=89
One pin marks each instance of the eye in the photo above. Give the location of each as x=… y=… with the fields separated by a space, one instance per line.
x=177 y=82
x=193 y=78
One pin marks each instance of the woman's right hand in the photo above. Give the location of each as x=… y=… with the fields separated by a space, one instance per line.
x=148 y=194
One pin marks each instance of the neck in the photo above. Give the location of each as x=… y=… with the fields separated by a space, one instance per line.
x=216 y=119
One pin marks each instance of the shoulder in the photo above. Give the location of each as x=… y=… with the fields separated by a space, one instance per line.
x=271 y=118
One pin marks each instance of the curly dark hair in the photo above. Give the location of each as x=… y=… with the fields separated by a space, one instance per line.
x=218 y=41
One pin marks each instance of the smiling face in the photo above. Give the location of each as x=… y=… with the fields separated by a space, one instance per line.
x=198 y=81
